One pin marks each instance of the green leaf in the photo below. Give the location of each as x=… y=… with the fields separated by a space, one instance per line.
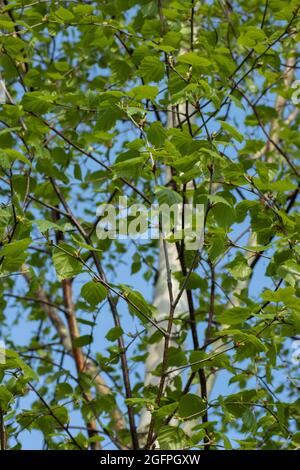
x=63 y=390
x=281 y=295
x=257 y=344
x=191 y=406
x=167 y=196
x=227 y=443
x=251 y=36
x=11 y=155
x=194 y=280
x=65 y=262
x=290 y=271
x=166 y=410
x=280 y=186
x=129 y=168
x=152 y=69
x=45 y=225
x=144 y=92
x=171 y=438
x=232 y=131
x=224 y=215
x=14 y=249
x=215 y=198
x=156 y=134
x=83 y=321
x=114 y=333
x=138 y=300
x=37 y=102
x=239 y=267
x=108 y=116
x=192 y=58
x=138 y=401
x=14 y=263
x=61 y=414
x=85 y=245
x=93 y=292
x=5 y=398
x=82 y=341
x=234 y=316
x=64 y=14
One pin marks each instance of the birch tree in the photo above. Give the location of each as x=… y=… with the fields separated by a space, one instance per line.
x=121 y=342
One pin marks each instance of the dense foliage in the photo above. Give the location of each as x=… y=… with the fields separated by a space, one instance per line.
x=160 y=101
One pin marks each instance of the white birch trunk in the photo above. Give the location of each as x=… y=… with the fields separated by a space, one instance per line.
x=161 y=301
